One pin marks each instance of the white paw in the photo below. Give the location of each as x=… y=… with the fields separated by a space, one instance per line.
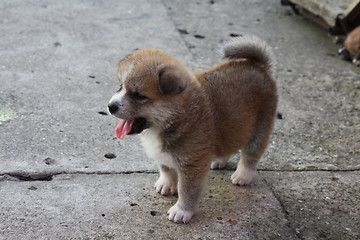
x=356 y=62
x=178 y=215
x=242 y=176
x=219 y=163
x=164 y=186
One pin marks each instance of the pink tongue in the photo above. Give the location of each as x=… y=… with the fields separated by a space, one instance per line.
x=123 y=128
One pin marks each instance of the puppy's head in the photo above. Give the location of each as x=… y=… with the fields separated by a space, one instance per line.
x=152 y=92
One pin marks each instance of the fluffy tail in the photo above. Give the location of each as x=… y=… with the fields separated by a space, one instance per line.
x=249 y=47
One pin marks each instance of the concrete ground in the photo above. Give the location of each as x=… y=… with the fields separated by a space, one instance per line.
x=58 y=69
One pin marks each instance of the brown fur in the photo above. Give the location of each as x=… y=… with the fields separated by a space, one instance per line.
x=199 y=118
x=351 y=49
x=352 y=41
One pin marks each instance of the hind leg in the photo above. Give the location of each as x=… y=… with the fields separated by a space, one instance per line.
x=246 y=169
x=250 y=156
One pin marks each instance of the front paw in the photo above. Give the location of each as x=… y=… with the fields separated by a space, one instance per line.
x=165 y=186
x=356 y=62
x=179 y=215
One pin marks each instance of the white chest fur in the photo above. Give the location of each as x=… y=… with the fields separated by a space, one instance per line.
x=153 y=145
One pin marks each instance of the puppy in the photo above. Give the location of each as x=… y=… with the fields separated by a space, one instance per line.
x=190 y=122
x=351 y=49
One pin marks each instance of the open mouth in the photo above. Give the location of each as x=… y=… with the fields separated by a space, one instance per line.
x=126 y=127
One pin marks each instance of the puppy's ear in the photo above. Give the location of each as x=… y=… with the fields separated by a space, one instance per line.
x=172 y=79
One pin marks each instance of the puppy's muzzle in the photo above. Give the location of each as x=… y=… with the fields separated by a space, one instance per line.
x=113 y=108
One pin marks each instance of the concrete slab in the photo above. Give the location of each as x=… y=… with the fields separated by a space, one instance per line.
x=59 y=74
x=119 y=206
x=58 y=70
x=319 y=205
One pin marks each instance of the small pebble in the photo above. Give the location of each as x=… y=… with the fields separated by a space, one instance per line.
x=110 y=155
x=199 y=36
x=102 y=113
x=49 y=161
x=232 y=222
x=153 y=213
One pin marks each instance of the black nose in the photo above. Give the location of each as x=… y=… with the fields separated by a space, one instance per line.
x=113 y=108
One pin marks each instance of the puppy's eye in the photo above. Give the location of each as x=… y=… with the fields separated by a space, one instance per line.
x=138 y=96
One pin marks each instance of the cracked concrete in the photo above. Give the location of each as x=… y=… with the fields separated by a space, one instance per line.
x=64 y=174
x=121 y=206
